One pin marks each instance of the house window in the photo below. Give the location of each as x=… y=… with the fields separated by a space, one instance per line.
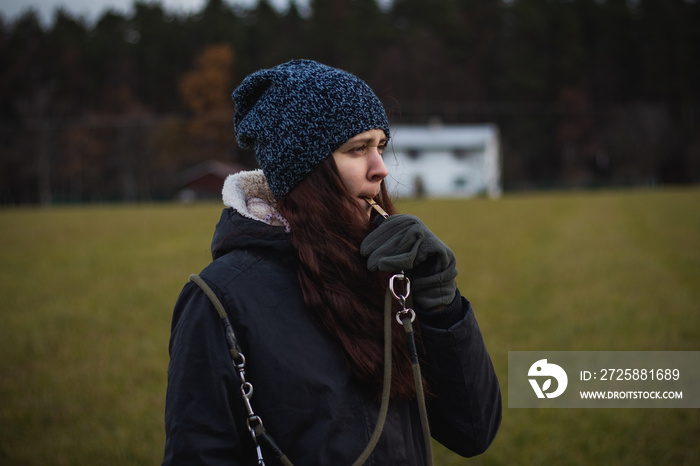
x=459 y=183
x=460 y=154
x=463 y=153
x=413 y=154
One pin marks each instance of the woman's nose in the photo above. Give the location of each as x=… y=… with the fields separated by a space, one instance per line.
x=377 y=170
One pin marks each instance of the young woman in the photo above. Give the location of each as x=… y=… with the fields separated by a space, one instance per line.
x=301 y=268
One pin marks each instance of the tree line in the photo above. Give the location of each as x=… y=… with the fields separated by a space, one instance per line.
x=585 y=92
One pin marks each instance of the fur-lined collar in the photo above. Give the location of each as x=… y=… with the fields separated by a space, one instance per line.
x=248 y=193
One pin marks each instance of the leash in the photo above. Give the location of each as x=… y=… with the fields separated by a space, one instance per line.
x=386 y=389
x=254 y=423
x=405 y=316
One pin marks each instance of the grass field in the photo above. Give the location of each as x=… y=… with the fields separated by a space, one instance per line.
x=87 y=296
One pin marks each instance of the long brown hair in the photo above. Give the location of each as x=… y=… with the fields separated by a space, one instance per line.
x=341 y=295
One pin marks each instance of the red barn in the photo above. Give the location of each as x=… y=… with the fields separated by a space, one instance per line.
x=204 y=181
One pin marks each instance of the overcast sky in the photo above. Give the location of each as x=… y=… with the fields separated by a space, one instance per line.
x=92 y=9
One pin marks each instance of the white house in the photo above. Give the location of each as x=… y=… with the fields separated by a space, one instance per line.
x=444 y=161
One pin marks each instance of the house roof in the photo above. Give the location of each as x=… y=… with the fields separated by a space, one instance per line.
x=445 y=137
x=210 y=167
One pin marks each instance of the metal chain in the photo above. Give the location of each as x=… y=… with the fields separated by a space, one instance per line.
x=253 y=420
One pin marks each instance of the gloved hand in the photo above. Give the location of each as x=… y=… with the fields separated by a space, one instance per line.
x=403 y=242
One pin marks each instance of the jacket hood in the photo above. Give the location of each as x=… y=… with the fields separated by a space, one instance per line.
x=251 y=219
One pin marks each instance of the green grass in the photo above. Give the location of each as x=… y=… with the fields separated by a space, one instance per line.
x=87 y=296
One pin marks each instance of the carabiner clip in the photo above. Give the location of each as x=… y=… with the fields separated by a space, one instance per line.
x=407 y=286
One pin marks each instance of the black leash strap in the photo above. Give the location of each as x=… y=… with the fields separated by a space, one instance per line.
x=405 y=316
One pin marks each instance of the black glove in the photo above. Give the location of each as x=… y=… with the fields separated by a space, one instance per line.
x=403 y=242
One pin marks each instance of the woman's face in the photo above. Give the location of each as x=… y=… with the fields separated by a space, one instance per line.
x=360 y=164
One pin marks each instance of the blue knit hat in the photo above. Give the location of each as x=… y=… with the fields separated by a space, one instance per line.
x=297 y=114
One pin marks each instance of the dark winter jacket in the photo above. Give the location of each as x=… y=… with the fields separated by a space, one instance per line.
x=308 y=400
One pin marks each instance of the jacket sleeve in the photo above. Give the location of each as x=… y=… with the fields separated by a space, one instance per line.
x=464 y=404
x=202 y=408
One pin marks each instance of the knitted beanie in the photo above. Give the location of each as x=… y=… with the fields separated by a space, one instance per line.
x=297 y=114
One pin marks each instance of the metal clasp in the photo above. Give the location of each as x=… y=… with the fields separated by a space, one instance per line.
x=405 y=312
x=407 y=286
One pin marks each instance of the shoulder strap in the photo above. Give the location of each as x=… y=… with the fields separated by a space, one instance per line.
x=258 y=432
x=260 y=436
x=233 y=347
